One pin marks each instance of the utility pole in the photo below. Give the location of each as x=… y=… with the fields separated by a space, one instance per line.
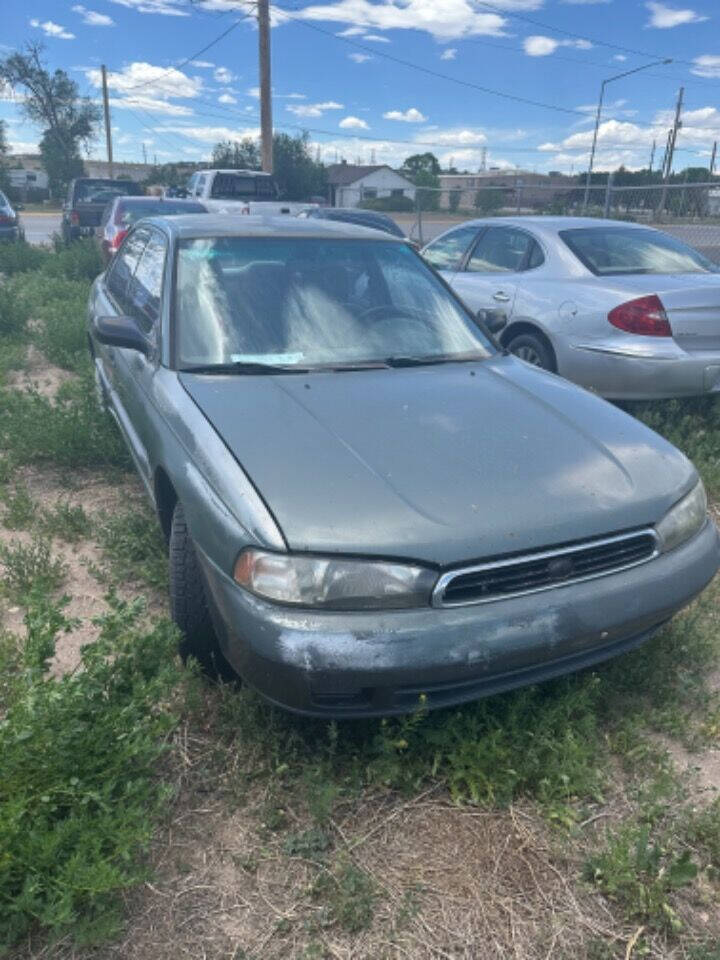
x=106 y=111
x=672 y=140
x=266 y=128
x=652 y=157
x=144 y=153
x=713 y=156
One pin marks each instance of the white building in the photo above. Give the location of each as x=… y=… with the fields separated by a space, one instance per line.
x=350 y=184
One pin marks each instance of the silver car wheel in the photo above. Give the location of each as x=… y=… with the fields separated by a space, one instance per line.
x=529 y=355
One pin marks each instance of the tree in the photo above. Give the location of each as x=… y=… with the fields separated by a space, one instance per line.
x=237 y=155
x=4 y=151
x=488 y=201
x=423 y=169
x=52 y=101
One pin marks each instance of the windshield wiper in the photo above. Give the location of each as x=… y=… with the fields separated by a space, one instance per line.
x=243 y=366
x=433 y=359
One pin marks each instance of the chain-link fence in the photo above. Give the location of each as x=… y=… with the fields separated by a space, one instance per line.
x=690 y=211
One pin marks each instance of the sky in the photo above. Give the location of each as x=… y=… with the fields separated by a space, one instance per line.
x=512 y=83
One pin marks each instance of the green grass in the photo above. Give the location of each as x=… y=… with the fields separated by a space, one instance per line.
x=66 y=522
x=29 y=568
x=20 y=508
x=134 y=547
x=79 y=794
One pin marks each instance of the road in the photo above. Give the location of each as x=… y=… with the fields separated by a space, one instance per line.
x=39 y=227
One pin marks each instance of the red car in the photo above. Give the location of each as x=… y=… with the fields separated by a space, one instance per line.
x=122 y=212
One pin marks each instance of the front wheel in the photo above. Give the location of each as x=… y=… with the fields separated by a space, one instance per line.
x=532 y=349
x=188 y=603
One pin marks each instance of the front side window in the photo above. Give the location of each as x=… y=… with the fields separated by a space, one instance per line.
x=614 y=251
x=124 y=265
x=145 y=290
x=447 y=252
x=500 y=250
x=314 y=302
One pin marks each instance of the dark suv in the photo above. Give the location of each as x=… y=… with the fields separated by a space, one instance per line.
x=87 y=198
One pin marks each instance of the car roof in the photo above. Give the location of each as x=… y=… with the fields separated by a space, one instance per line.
x=198 y=225
x=548 y=224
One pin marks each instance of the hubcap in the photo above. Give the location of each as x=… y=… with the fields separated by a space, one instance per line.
x=529 y=355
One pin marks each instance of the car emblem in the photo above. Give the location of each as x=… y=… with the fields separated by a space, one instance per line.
x=560 y=568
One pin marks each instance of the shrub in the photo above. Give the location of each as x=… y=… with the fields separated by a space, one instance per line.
x=79 y=794
x=388 y=204
x=21 y=257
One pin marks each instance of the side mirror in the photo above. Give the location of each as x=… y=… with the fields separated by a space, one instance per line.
x=120 y=332
x=492 y=320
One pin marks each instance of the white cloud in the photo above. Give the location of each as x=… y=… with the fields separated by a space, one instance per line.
x=448 y=54
x=584 y=3
x=376 y=38
x=353 y=123
x=707 y=66
x=448 y=20
x=23 y=146
x=211 y=135
x=227 y=98
x=412 y=115
x=203 y=64
x=359 y=57
x=539 y=46
x=223 y=75
x=92 y=18
x=51 y=29
x=313 y=109
x=168 y=8
x=154 y=81
x=151 y=105
x=254 y=92
x=454 y=138
x=620 y=57
x=295 y=96
x=664 y=17
x=352 y=32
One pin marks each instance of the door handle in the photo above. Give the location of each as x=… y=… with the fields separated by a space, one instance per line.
x=501 y=297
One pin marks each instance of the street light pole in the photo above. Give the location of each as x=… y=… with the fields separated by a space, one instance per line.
x=618 y=76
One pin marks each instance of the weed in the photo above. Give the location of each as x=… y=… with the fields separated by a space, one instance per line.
x=20 y=508
x=134 y=546
x=80 y=260
x=310 y=844
x=79 y=794
x=349 y=894
x=640 y=873
x=21 y=257
x=702 y=830
x=30 y=569
x=67 y=522
x=14 y=313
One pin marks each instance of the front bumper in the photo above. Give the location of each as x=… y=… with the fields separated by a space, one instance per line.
x=624 y=374
x=379 y=663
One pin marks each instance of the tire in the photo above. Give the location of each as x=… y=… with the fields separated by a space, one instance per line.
x=188 y=603
x=532 y=349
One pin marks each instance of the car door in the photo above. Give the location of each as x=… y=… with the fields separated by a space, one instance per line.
x=112 y=368
x=136 y=370
x=448 y=251
x=490 y=273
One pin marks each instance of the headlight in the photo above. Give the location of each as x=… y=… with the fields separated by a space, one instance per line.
x=334 y=584
x=684 y=519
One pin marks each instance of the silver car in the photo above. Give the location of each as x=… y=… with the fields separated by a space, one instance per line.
x=625 y=310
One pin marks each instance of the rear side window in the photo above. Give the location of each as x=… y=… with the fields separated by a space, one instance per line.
x=447 y=252
x=616 y=251
x=145 y=290
x=124 y=266
x=234 y=186
x=500 y=250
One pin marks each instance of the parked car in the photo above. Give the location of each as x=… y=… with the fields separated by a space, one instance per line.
x=240 y=191
x=86 y=200
x=362 y=218
x=176 y=193
x=623 y=309
x=364 y=499
x=122 y=212
x=10 y=228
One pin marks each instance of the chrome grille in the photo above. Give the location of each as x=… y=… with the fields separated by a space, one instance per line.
x=545 y=569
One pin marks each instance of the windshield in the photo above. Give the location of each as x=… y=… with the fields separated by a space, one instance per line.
x=314 y=302
x=102 y=191
x=133 y=211
x=235 y=186
x=612 y=251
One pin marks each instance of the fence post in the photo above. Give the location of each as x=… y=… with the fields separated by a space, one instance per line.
x=418 y=216
x=608 y=195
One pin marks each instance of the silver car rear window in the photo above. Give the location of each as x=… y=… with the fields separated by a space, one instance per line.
x=616 y=251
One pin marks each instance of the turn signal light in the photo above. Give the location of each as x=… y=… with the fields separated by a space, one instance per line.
x=645 y=316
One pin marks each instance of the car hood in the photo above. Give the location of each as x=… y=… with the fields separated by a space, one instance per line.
x=442 y=464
